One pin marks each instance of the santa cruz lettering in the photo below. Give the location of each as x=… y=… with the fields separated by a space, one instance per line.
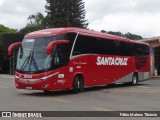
x=112 y=61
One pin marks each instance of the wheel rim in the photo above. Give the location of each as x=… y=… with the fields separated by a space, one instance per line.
x=134 y=80
x=78 y=84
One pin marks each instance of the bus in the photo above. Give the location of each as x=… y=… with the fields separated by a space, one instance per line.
x=75 y=58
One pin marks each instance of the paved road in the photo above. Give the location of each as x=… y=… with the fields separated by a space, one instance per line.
x=144 y=97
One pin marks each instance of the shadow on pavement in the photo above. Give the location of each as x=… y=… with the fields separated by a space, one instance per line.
x=89 y=89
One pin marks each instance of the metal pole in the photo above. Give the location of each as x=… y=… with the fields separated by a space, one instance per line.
x=10 y=66
x=13 y=62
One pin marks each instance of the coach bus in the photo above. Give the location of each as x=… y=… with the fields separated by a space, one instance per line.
x=74 y=58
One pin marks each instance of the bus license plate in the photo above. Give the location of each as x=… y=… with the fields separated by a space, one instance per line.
x=29 y=88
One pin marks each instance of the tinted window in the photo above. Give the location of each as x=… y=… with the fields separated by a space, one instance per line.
x=93 y=45
x=141 y=50
x=61 y=53
x=83 y=45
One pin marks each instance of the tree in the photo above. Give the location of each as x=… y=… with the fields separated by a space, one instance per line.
x=31 y=19
x=132 y=36
x=66 y=13
x=127 y=35
x=103 y=31
x=35 y=22
x=115 y=33
x=5 y=30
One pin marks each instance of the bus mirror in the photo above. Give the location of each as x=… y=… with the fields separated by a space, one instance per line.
x=10 y=48
x=52 y=44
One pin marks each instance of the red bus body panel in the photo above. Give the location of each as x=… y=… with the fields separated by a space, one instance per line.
x=86 y=65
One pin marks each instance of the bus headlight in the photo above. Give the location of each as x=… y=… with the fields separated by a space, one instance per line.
x=16 y=77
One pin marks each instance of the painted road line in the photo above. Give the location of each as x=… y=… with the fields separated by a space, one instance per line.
x=107 y=109
x=23 y=91
x=102 y=109
x=152 y=91
x=7 y=76
x=62 y=100
x=3 y=87
x=138 y=91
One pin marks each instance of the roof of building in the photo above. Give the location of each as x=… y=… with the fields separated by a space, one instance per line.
x=150 y=39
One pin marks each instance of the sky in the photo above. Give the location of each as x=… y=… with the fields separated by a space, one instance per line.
x=141 y=17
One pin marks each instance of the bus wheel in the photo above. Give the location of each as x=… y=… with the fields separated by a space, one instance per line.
x=81 y=84
x=78 y=84
x=134 y=79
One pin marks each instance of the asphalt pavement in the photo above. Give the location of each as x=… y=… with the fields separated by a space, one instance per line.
x=143 y=97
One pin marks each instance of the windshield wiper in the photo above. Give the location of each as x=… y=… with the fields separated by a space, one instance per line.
x=26 y=61
x=34 y=62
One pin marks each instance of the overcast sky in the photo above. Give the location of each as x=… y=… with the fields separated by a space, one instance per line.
x=140 y=17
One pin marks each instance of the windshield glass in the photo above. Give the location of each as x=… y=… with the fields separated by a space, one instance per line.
x=32 y=55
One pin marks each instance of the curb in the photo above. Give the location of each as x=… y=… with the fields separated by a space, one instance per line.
x=155 y=77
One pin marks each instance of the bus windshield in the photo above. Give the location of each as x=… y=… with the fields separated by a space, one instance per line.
x=32 y=55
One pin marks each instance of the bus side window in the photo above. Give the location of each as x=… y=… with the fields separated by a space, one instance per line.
x=56 y=57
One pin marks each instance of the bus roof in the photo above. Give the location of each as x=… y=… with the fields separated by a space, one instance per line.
x=57 y=31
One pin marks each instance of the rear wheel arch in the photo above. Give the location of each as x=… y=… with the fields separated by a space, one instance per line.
x=136 y=73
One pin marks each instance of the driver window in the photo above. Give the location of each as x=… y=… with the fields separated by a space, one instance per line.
x=60 y=56
x=57 y=57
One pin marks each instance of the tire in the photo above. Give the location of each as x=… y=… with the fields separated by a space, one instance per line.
x=81 y=88
x=78 y=84
x=134 y=80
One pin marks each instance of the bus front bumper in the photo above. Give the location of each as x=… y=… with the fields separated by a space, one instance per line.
x=37 y=85
x=32 y=84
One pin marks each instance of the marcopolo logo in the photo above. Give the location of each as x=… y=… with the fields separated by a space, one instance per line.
x=112 y=61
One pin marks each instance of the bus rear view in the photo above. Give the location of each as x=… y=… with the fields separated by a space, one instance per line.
x=72 y=58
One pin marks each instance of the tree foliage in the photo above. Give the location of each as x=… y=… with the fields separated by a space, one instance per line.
x=126 y=35
x=5 y=30
x=116 y=33
x=133 y=36
x=35 y=22
x=66 y=13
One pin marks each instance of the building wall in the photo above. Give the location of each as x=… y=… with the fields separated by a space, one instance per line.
x=155 y=59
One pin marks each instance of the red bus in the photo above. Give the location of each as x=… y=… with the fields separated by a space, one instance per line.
x=74 y=58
